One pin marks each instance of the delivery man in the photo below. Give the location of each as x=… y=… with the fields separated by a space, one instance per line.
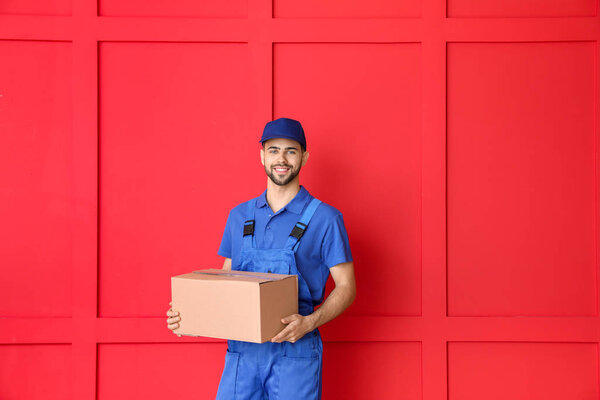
x=285 y=231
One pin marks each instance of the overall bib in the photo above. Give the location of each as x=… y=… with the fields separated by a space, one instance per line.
x=274 y=371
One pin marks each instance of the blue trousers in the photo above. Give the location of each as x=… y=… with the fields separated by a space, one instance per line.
x=273 y=371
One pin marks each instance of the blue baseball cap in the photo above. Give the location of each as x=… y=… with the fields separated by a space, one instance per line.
x=284 y=128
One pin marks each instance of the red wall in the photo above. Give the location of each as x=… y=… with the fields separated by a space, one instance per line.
x=459 y=140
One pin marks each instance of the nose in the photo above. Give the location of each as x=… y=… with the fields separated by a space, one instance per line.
x=281 y=159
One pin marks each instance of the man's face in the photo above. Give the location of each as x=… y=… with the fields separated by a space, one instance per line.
x=282 y=159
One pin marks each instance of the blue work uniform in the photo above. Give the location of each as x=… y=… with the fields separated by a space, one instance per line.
x=305 y=238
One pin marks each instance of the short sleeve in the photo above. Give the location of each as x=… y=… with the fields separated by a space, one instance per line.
x=335 y=248
x=226 y=241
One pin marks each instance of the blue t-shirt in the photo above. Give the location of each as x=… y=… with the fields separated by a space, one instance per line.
x=323 y=245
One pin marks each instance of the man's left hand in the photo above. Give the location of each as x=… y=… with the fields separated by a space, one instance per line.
x=297 y=326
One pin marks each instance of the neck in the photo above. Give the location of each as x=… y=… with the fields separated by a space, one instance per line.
x=279 y=196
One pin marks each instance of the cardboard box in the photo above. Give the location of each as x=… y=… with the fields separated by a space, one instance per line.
x=236 y=305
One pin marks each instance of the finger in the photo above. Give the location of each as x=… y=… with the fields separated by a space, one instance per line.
x=173 y=326
x=277 y=338
x=290 y=337
x=173 y=320
x=297 y=336
x=292 y=334
x=287 y=332
x=170 y=303
x=281 y=336
x=293 y=331
x=290 y=318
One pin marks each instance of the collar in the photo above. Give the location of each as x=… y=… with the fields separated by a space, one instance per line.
x=296 y=205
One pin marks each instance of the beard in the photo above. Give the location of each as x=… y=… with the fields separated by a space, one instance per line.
x=283 y=180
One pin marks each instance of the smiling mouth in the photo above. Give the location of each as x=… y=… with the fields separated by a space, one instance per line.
x=281 y=170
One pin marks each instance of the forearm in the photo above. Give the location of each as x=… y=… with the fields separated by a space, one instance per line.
x=338 y=300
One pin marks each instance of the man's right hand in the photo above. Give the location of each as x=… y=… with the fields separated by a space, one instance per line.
x=173 y=320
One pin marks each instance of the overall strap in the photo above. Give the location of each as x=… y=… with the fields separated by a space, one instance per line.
x=294 y=239
x=248 y=240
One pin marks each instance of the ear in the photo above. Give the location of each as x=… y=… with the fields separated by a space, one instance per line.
x=262 y=156
x=304 y=158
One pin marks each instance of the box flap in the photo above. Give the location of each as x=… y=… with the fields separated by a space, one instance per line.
x=232 y=275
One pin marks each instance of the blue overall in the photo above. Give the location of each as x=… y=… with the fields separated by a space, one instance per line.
x=274 y=371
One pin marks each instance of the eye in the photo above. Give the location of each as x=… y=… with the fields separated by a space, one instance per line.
x=291 y=152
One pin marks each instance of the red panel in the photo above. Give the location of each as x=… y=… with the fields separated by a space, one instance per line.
x=178 y=8
x=159 y=371
x=500 y=371
x=360 y=106
x=36 y=7
x=35 y=372
x=35 y=152
x=170 y=165
x=372 y=371
x=521 y=179
x=347 y=9
x=520 y=8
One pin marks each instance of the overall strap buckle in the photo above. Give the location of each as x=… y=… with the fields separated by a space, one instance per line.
x=249 y=227
x=294 y=238
x=248 y=239
x=298 y=230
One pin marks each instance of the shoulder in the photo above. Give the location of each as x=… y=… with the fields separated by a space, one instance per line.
x=238 y=213
x=328 y=214
x=239 y=209
x=331 y=230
